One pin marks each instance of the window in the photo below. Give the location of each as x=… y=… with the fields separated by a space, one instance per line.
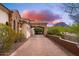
x=14 y=25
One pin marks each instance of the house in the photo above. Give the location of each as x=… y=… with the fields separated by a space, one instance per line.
x=4 y=14
x=15 y=18
x=10 y=17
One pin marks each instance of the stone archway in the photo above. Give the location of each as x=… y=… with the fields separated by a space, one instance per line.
x=38 y=30
x=40 y=24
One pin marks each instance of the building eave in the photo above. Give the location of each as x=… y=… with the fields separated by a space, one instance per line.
x=5 y=9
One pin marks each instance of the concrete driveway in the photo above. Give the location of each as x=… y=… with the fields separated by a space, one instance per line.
x=39 y=45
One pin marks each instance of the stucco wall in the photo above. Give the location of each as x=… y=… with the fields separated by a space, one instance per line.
x=26 y=30
x=3 y=17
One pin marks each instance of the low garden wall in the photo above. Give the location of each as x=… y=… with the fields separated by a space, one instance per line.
x=71 y=37
x=69 y=45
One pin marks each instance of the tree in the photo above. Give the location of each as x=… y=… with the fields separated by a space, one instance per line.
x=73 y=10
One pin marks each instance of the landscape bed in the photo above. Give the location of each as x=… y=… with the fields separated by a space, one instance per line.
x=14 y=47
x=68 y=45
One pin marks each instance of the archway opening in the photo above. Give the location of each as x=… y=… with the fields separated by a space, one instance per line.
x=39 y=30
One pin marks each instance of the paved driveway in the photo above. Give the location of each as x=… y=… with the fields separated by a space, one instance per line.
x=39 y=45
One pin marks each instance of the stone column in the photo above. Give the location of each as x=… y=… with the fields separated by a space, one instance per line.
x=45 y=30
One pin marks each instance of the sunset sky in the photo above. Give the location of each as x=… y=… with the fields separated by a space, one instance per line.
x=50 y=12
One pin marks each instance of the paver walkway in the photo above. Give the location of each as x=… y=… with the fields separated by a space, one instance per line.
x=39 y=45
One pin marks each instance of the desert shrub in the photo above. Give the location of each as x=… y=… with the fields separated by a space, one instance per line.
x=19 y=37
x=7 y=37
x=75 y=30
x=55 y=31
x=38 y=30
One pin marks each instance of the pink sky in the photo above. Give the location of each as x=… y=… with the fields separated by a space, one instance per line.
x=43 y=15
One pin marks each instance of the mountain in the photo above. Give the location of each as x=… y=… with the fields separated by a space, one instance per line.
x=61 y=24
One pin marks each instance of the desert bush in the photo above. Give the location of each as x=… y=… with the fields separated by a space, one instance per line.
x=75 y=30
x=19 y=37
x=55 y=31
x=7 y=37
x=66 y=31
x=38 y=30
